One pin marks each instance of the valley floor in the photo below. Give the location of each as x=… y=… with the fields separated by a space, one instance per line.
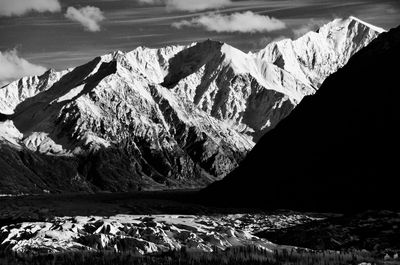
x=171 y=226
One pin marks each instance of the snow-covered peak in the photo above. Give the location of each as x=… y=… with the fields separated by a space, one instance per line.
x=238 y=59
x=19 y=90
x=377 y=29
x=240 y=62
x=150 y=62
x=347 y=24
x=314 y=56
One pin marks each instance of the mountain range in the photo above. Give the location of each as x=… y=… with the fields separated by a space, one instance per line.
x=173 y=117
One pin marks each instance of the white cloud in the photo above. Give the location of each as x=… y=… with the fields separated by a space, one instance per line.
x=189 y=5
x=20 y=7
x=236 y=22
x=13 y=67
x=89 y=17
x=312 y=25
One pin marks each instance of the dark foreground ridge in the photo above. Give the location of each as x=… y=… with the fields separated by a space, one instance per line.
x=338 y=149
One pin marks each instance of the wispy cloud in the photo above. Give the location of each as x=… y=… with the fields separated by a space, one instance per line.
x=89 y=17
x=196 y=5
x=189 y=5
x=312 y=25
x=13 y=67
x=235 y=22
x=21 y=7
x=265 y=40
x=150 y=2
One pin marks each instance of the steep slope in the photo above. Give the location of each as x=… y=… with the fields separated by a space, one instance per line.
x=151 y=63
x=17 y=91
x=314 y=56
x=118 y=131
x=234 y=87
x=174 y=117
x=253 y=92
x=337 y=149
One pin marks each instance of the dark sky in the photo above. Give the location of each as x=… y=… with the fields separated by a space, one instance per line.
x=52 y=40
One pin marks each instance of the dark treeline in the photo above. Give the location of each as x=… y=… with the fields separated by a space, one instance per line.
x=237 y=255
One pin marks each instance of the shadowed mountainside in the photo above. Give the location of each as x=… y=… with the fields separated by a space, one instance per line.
x=337 y=149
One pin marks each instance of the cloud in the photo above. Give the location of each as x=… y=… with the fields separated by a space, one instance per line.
x=312 y=25
x=189 y=5
x=20 y=7
x=235 y=22
x=265 y=40
x=13 y=67
x=89 y=17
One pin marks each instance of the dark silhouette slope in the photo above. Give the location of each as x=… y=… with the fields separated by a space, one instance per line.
x=338 y=149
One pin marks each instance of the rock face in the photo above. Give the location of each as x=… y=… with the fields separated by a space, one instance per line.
x=144 y=234
x=337 y=149
x=175 y=117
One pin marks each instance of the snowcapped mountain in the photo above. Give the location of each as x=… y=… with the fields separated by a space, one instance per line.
x=179 y=116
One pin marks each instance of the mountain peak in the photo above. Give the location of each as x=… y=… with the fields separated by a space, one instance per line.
x=340 y=36
x=345 y=25
x=377 y=29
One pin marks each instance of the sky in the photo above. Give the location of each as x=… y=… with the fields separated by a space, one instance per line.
x=39 y=34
